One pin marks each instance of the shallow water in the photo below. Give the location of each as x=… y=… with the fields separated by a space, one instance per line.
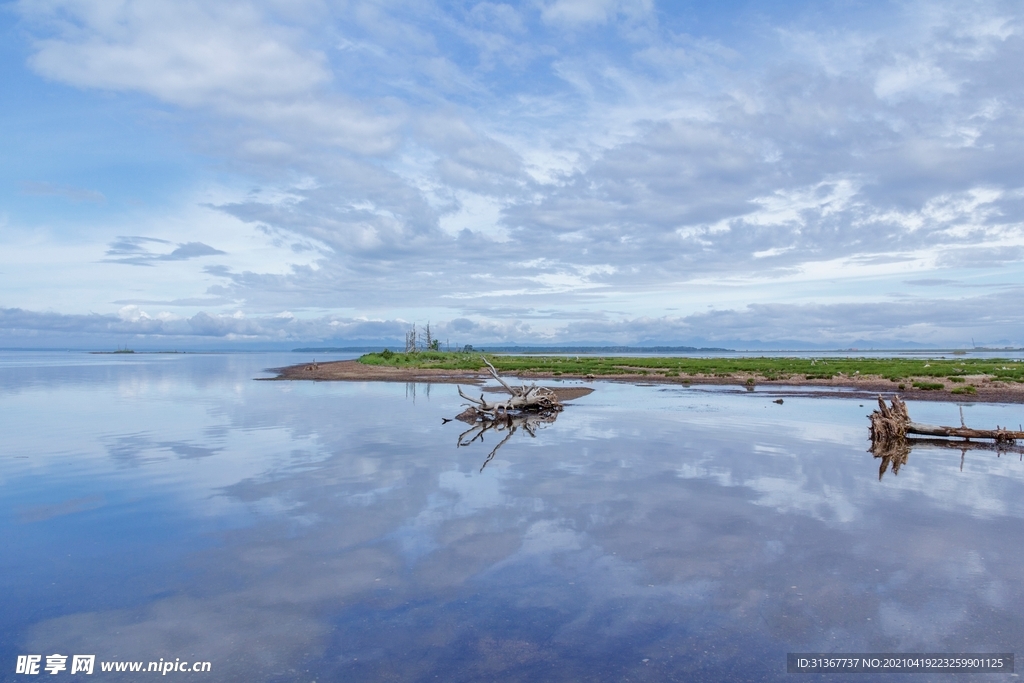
x=171 y=507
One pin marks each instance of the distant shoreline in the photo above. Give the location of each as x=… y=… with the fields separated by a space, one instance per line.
x=865 y=387
x=563 y=350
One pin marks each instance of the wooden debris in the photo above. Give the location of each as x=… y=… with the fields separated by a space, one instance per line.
x=527 y=407
x=893 y=422
x=522 y=399
x=889 y=423
x=891 y=440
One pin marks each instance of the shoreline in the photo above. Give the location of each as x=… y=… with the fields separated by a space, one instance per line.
x=988 y=391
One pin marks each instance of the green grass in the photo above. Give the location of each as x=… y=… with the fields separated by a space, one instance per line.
x=929 y=386
x=965 y=390
x=766 y=368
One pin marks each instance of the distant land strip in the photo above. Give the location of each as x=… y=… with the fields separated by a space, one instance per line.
x=534 y=349
x=959 y=378
x=396 y=348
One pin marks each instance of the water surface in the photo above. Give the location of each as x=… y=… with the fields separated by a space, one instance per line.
x=172 y=507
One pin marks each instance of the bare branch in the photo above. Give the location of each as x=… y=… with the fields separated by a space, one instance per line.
x=494 y=373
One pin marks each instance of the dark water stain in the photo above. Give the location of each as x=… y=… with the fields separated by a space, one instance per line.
x=40 y=513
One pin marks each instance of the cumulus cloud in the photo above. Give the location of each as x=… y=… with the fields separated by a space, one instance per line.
x=181 y=52
x=239 y=59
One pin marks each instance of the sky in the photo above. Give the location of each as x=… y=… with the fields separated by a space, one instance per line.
x=745 y=174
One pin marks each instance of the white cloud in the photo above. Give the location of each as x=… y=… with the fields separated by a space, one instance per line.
x=594 y=12
x=913 y=76
x=235 y=58
x=182 y=52
x=409 y=159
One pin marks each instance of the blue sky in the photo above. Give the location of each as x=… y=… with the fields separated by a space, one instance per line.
x=195 y=174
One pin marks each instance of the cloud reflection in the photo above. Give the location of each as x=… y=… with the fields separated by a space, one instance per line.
x=637 y=530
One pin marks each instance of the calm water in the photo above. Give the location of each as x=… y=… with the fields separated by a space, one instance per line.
x=171 y=507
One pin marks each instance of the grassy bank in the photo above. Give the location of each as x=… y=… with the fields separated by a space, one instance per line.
x=945 y=372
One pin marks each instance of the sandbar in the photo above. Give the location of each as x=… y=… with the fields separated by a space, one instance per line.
x=988 y=390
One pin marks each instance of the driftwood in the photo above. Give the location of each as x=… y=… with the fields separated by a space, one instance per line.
x=526 y=407
x=522 y=399
x=891 y=440
x=892 y=422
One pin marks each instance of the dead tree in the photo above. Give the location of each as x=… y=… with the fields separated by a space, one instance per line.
x=522 y=399
x=410 y=340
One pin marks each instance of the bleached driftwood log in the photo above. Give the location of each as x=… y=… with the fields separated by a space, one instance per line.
x=527 y=407
x=522 y=399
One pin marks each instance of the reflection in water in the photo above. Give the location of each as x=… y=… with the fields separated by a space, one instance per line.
x=506 y=422
x=894 y=453
x=298 y=531
x=410 y=390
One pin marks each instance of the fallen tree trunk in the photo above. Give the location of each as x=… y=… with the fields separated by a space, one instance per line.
x=522 y=399
x=891 y=422
x=999 y=434
x=891 y=442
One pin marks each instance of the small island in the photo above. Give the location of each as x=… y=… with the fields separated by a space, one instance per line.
x=112 y=353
